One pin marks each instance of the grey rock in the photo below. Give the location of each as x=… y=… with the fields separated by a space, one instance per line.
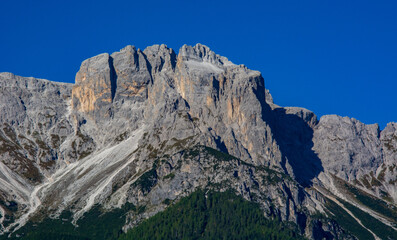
x=347 y=147
x=166 y=117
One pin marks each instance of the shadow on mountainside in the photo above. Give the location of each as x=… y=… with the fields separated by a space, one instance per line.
x=295 y=139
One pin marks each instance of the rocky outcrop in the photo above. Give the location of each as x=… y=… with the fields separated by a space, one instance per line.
x=142 y=127
x=348 y=148
x=95 y=87
x=358 y=153
x=197 y=83
x=33 y=124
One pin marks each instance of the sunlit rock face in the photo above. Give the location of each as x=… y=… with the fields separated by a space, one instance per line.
x=358 y=153
x=228 y=99
x=349 y=147
x=155 y=112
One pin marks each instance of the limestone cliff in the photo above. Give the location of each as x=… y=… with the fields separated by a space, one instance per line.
x=178 y=122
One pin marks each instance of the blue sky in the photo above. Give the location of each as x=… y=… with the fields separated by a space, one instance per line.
x=332 y=57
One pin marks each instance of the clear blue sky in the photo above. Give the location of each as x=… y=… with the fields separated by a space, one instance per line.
x=332 y=57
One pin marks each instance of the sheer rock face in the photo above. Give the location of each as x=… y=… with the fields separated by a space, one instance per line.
x=132 y=72
x=93 y=91
x=67 y=146
x=228 y=100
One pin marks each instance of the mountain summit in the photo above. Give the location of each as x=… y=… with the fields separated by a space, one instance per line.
x=147 y=128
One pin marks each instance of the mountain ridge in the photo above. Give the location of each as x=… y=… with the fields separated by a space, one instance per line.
x=90 y=142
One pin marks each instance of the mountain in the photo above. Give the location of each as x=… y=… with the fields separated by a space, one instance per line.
x=140 y=130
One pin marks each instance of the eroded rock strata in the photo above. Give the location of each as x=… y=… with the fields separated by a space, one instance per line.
x=149 y=127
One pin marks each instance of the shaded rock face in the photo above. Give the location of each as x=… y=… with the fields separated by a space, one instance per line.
x=146 y=126
x=293 y=131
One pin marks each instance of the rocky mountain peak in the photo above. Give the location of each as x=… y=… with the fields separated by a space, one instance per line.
x=228 y=99
x=148 y=127
x=202 y=53
x=161 y=57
